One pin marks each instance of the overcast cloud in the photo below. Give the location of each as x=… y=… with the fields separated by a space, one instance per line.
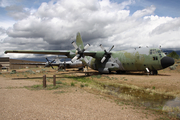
x=54 y=25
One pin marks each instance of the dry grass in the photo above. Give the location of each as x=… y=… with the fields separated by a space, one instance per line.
x=167 y=82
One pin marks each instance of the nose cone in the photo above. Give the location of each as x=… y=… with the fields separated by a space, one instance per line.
x=167 y=61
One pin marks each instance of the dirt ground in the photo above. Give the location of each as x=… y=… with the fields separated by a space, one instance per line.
x=17 y=102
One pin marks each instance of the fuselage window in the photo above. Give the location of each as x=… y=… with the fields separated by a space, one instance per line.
x=159 y=51
x=155 y=58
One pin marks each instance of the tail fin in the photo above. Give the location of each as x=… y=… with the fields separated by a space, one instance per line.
x=79 y=41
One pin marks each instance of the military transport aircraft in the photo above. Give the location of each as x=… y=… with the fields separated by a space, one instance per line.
x=141 y=59
x=56 y=62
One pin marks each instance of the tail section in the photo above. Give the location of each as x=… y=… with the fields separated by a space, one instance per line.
x=79 y=41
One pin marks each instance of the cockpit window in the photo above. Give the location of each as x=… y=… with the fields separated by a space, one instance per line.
x=159 y=51
x=152 y=51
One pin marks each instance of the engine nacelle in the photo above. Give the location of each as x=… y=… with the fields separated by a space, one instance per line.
x=103 y=70
x=109 y=66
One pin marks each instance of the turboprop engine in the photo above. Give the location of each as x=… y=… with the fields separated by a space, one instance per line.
x=109 y=66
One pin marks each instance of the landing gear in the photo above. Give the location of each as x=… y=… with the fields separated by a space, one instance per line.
x=154 y=72
x=120 y=72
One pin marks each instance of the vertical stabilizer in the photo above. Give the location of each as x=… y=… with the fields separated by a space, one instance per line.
x=79 y=41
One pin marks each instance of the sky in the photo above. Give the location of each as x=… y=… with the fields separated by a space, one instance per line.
x=53 y=24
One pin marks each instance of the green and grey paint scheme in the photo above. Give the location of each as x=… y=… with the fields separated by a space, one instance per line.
x=140 y=59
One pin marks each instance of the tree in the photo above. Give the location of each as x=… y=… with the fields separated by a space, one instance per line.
x=174 y=55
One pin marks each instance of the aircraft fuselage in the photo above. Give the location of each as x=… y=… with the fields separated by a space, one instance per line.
x=139 y=59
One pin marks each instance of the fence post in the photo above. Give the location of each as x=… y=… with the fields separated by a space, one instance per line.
x=54 y=80
x=44 y=81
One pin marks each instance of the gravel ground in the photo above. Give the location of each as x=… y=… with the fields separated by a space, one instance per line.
x=18 y=103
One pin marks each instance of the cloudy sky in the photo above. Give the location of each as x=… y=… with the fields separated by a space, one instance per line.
x=53 y=24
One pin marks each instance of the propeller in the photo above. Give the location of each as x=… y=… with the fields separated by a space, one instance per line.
x=62 y=65
x=80 y=53
x=49 y=63
x=107 y=55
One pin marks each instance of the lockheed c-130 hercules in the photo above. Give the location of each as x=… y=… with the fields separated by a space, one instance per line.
x=141 y=59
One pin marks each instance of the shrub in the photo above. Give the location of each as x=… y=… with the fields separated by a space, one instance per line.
x=13 y=72
x=172 y=67
x=72 y=84
x=82 y=85
x=58 y=82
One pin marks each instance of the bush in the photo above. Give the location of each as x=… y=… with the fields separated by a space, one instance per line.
x=13 y=72
x=43 y=70
x=172 y=67
x=72 y=84
x=82 y=85
x=174 y=55
x=30 y=71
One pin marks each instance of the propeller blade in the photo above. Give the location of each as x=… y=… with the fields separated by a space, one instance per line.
x=102 y=47
x=52 y=61
x=75 y=45
x=51 y=66
x=47 y=60
x=86 y=47
x=74 y=59
x=86 y=60
x=103 y=59
x=111 y=48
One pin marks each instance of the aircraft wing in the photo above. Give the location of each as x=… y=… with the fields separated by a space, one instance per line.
x=90 y=53
x=28 y=63
x=53 y=52
x=53 y=64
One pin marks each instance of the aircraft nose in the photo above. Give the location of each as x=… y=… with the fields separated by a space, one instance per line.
x=167 y=61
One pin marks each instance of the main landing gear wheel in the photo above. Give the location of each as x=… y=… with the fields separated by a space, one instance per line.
x=154 y=72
